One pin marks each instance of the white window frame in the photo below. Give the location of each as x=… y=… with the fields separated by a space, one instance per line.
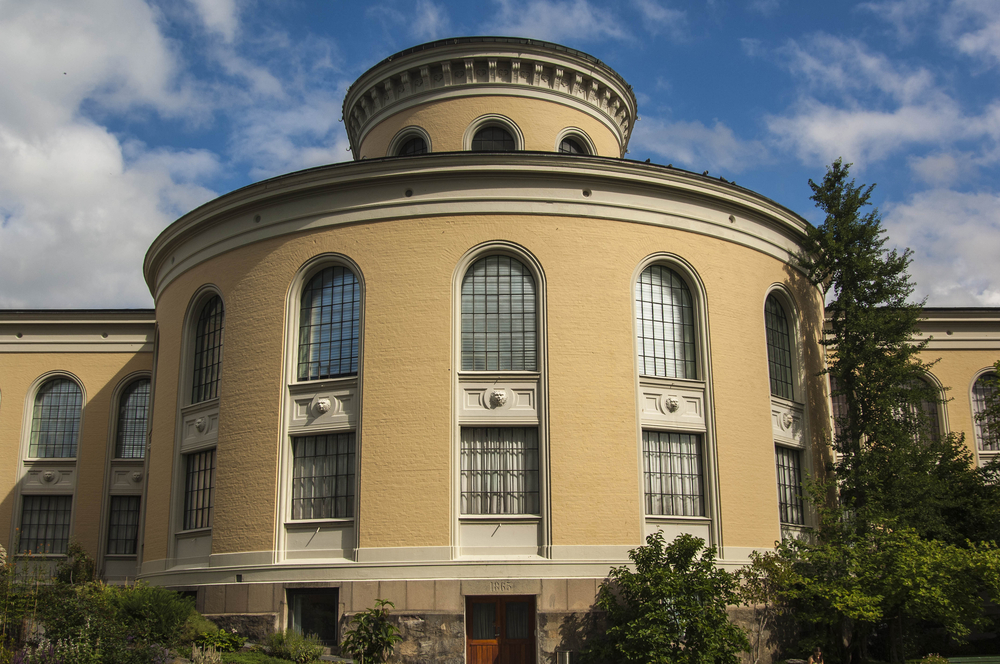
x=317 y=407
x=46 y=476
x=405 y=134
x=492 y=120
x=501 y=399
x=197 y=430
x=579 y=136
x=123 y=477
x=790 y=417
x=678 y=405
x=982 y=456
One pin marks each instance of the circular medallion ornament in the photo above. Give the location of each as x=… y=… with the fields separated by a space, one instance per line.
x=498 y=398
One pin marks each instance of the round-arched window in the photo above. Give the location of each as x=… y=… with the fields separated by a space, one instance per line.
x=571 y=146
x=413 y=146
x=493 y=139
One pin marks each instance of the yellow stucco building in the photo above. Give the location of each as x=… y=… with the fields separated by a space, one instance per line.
x=466 y=372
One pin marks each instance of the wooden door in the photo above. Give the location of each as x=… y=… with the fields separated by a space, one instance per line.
x=500 y=630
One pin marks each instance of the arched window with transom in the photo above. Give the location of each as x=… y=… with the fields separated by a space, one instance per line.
x=55 y=420
x=413 y=146
x=665 y=324
x=133 y=416
x=329 y=324
x=499 y=316
x=208 y=350
x=779 y=349
x=987 y=438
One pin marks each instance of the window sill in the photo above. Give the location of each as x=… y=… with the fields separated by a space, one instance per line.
x=670 y=518
x=500 y=517
x=194 y=532
x=306 y=523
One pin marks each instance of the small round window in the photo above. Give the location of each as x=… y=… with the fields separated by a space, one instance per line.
x=413 y=146
x=493 y=139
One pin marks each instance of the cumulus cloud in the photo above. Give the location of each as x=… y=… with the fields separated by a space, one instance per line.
x=554 y=20
x=973 y=28
x=659 y=19
x=696 y=145
x=907 y=17
x=954 y=236
x=218 y=16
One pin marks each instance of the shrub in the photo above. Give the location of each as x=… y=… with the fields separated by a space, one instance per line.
x=292 y=646
x=195 y=625
x=372 y=636
x=77 y=567
x=221 y=640
x=672 y=608
x=207 y=656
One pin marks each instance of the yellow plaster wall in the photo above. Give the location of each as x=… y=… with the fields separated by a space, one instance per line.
x=446 y=120
x=99 y=374
x=406 y=430
x=956 y=370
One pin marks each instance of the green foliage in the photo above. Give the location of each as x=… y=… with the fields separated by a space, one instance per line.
x=206 y=655
x=292 y=646
x=872 y=324
x=762 y=584
x=372 y=636
x=250 y=658
x=934 y=658
x=222 y=640
x=672 y=608
x=121 y=624
x=989 y=418
x=195 y=625
x=77 y=567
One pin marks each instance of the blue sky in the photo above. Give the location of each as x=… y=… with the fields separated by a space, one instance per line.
x=118 y=116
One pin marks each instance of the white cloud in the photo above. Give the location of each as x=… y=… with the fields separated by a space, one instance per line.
x=219 y=16
x=279 y=140
x=81 y=215
x=973 y=28
x=764 y=7
x=697 y=146
x=907 y=17
x=954 y=236
x=658 y=19
x=570 y=21
x=431 y=21
x=819 y=133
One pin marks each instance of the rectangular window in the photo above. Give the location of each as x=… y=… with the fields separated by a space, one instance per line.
x=672 y=470
x=323 y=476
x=314 y=611
x=500 y=470
x=45 y=524
x=199 y=488
x=123 y=525
x=789 y=464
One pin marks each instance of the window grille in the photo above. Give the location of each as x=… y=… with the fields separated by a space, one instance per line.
x=329 y=323
x=133 y=415
x=789 y=465
x=493 y=139
x=45 y=524
x=672 y=470
x=199 y=490
x=498 y=316
x=123 y=525
x=925 y=415
x=779 y=348
x=664 y=324
x=323 y=476
x=208 y=351
x=500 y=470
x=414 y=146
x=981 y=392
x=839 y=403
x=55 y=420
x=571 y=146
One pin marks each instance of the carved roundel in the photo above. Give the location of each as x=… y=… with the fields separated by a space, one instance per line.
x=497 y=398
x=48 y=476
x=671 y=403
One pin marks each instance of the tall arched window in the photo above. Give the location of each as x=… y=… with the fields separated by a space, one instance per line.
x=493 y=139
x=133 y=414
x=665 y=324
x=329 y=322
x=779 y=349
x=982 y=390
x=55 y=420
x=925 y=413
x=499 y=316
x=208 y=351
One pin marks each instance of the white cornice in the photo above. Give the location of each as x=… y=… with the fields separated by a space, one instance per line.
x=489 y=66
x=540 y=184
x=94 y=331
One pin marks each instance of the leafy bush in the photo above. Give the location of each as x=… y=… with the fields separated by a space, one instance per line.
x=250 y=658
x=77 y=567
x=372 y=636
x=195 y=625
x=222 y=640
x=672 y=608
x=292 y=646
